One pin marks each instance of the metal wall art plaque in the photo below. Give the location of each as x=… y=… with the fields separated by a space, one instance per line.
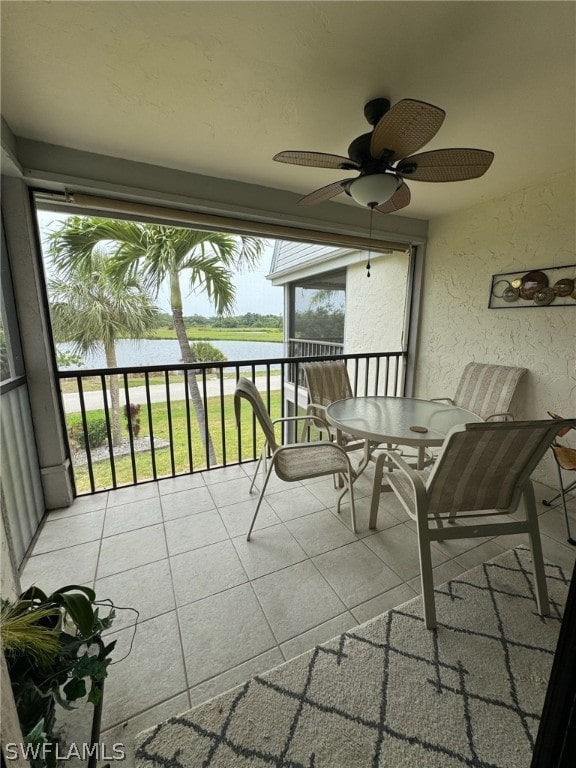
x=543 y=287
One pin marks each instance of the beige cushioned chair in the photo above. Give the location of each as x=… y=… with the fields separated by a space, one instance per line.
x=293 y=461
x=327 y=382
x=483 y=471
x=486 y=390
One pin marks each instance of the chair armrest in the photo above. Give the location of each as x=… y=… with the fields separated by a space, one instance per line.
x=316 y=407
x=314 y=419
x=504 y=416
x=418 y=485
x=441 y=400
x=403 y=466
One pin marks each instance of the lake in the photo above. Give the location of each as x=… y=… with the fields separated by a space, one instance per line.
x=130 y=352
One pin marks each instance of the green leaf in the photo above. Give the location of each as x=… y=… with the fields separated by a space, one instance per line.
x=75 y=689
x=36 y=735
x=95 y=695
x=34 y=593
x=80 y=610
x=90 y=594
x=93 y=667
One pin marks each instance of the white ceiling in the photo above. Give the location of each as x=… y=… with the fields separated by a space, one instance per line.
x=218 y=88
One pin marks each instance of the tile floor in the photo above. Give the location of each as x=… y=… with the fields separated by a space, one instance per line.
x=216 y=609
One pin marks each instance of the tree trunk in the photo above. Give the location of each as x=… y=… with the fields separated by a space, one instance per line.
x=193 y=389
x=111 y=362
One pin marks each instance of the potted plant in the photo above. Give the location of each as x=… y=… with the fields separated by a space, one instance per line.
x=55 y=656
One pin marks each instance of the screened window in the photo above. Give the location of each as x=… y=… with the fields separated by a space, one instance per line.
x=319 y=306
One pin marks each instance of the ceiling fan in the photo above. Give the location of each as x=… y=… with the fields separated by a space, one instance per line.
x=384 y=157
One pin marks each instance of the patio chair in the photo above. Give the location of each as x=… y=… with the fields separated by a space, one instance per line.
x=293 y=461
x=483 y=471
x=327 y=382
x=486 y=390
x=565 y=457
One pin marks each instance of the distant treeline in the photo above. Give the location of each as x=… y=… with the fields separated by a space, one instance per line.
x=249 y=320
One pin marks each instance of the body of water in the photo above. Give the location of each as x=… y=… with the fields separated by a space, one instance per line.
x=145 y=352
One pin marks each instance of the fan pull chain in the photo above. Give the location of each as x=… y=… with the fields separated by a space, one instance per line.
x=369 y=241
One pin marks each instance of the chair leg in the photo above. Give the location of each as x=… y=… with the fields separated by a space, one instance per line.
x=426 y=578
x=378 y=471
x=255 y=473
x=563 y=495
x=536 y=547
x=270 y=468
x=348 y=486
x=550 y=502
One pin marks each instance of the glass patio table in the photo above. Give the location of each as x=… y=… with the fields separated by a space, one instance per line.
x=403 y=421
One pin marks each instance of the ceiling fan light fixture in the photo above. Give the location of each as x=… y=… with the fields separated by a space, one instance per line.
x=374 y=189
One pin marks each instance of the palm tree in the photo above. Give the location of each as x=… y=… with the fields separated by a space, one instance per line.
x=91 y=310
x=159 y=254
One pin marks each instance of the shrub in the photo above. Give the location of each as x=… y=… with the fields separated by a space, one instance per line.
x=132 y=414
x=204 y=352
x=97 y=432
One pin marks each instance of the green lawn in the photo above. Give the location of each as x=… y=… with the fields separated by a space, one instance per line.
x=184 y=432
x=203 y=333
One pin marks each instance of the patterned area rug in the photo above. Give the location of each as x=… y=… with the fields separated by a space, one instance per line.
x=390 y=692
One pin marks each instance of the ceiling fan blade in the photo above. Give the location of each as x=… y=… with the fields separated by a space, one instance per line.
x=406 y=127
x=315 y=159
x=400 y=199
x=324 y=193
x=446 y=165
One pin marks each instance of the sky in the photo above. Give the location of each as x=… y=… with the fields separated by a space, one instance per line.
x=253 y=292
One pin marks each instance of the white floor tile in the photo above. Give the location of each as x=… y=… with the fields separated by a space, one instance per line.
x=139 y=681
x=132 y=493
x=182 y=483
x=296 y=502
x=356 y=573
x=268 y=550
x=129 y=550
x=296 y=599
x=75 y=565
x=398 y=548
x=69 y=531
x=194 y=531
x=319 y=532
x=147 y=588
x=237 y=517
x=223 y=631
x=130 y=517
x=185 y=503
x=206 y=571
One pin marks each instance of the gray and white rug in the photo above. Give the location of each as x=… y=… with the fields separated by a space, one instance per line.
x=390 y=692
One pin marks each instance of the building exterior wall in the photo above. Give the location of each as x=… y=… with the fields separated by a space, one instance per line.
x=534 y=227
x=375 y=305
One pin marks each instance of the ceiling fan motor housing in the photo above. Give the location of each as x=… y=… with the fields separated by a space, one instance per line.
x=376 y=109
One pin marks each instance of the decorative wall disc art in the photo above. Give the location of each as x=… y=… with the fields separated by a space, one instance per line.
x=548 y=286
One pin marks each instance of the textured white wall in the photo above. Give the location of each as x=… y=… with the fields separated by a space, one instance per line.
x=534 y=227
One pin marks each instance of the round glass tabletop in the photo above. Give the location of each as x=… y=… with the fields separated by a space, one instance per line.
x=403 y=420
